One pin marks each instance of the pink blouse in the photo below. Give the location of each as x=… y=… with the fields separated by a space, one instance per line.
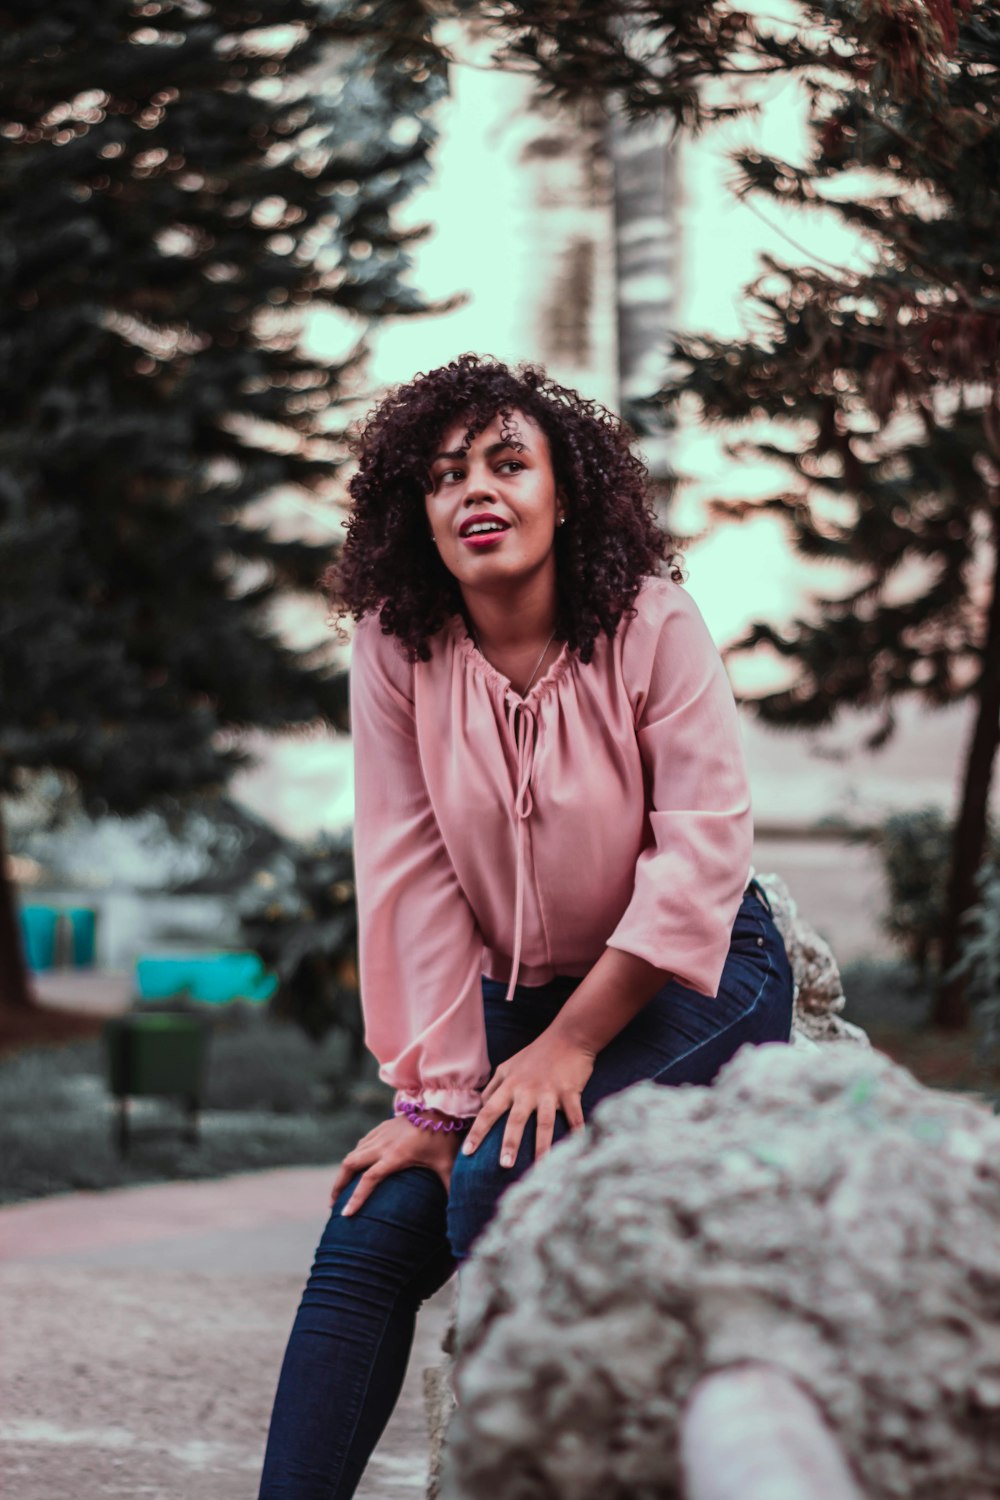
x=518 y=837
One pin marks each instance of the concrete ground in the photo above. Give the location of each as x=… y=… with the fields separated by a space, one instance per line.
x=143 y=1331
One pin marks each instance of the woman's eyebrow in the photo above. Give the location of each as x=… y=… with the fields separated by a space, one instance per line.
x=491 y=451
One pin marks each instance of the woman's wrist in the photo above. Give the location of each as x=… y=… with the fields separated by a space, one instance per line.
x=430 y=1119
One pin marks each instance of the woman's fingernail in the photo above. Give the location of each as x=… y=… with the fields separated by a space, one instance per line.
x=507 y=1159
x=467 y=1149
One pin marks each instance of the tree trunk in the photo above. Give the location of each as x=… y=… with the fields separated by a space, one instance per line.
x=951 y=1005
x=15 y=991
x=646 y=250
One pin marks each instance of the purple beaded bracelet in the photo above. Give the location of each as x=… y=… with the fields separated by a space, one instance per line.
x=410 y=1111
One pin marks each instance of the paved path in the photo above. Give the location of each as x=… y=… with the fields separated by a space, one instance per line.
x=143 y=1333
x=96 y=992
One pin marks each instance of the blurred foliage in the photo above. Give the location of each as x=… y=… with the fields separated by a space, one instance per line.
x=915 y=850
x=202 y=842
x=179 y=188
x=688 y=63
x=884 y=991
x=222 y=838
x=980 y=951
x=299 y=914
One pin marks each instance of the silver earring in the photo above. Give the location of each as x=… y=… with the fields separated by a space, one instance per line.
x=561 y=520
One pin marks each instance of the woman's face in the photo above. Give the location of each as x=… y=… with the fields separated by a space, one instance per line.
x=504 y=475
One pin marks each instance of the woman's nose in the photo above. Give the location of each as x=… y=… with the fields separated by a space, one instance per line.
x=475 y=493
x=480 y=480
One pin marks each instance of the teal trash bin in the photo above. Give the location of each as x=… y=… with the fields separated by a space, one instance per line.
x=58 y=935
x=38 y=932
x=156 y=1054
x=83 y=939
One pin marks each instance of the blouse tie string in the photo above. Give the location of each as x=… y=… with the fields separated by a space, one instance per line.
x=521 y=723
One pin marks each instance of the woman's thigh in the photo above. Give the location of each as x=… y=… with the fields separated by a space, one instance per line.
x=683 y=1037
x=679 y=1036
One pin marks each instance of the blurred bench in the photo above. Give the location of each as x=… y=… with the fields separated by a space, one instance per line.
x=212 y=978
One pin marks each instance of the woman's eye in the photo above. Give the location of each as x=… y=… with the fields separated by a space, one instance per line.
x=511 y=463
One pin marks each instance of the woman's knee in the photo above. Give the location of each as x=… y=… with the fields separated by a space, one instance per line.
x=476 y=1185
x=402 y=1220
x=386 y=1258
x=479 y=1181
x=396 y=1242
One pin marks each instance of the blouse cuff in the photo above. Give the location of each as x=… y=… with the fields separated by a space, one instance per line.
x=461 y=1104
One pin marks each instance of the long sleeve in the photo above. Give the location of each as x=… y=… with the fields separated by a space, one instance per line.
x=419 y=948
x=690 y=877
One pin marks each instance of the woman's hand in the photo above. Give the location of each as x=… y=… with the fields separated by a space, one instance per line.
x=547 y=1075
x=391 y=1147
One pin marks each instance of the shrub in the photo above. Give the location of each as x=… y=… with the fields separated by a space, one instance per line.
x=300 y=916
x=980 y=951
x=916 y=852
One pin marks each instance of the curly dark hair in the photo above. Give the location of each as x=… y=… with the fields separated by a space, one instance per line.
x=389 y=563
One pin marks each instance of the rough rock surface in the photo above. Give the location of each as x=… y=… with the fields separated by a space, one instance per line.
x=439 y=1408
x=818 y=1208
x=819 y=993
x=439 y=1401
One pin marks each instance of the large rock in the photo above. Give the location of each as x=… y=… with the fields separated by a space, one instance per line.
x=819 y=992
x=815 y=1208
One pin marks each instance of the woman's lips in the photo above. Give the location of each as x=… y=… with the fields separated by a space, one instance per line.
x=484 y=538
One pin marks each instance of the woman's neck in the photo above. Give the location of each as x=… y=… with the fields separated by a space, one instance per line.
x=508 y=627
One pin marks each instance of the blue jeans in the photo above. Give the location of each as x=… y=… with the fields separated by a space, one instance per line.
x=350 y=1341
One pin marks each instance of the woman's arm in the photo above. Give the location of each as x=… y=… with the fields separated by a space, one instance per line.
x=690 y=877
x=615 y=990
x=419 y=946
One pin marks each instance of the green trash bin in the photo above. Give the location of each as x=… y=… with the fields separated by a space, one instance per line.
x=159 y=1054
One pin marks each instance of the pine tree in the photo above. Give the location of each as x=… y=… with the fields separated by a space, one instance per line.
x=887 y=384
x=180 y=181
x=879 y=393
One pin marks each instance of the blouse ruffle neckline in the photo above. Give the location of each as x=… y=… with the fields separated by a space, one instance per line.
x=493 y=675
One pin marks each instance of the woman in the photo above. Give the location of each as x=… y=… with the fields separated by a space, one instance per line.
x=552 y=851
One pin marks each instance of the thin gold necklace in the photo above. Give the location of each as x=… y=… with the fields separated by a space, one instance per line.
x=538 y=663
